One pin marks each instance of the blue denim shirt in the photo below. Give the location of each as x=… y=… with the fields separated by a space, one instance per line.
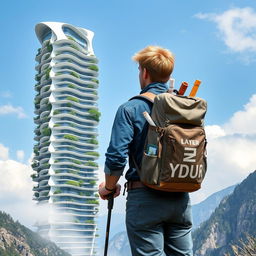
x=129 y=133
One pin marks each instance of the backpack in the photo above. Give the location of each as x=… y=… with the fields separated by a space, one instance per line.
x=174 y=158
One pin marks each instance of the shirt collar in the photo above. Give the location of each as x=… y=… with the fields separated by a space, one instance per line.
x=155 y=88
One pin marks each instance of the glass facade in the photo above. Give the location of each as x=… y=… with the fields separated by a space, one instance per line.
x=65 y=150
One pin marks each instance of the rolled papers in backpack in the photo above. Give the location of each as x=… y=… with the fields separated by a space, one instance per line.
x=171 y=89
x=195 y=88
x=183 y=88
x=148 y=118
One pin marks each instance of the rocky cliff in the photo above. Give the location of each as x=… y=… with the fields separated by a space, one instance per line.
x=17 y=240
x=231 y=221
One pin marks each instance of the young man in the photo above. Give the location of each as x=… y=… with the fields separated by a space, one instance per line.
x=158 y=223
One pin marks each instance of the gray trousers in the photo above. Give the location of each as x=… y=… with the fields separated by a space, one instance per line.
x=159 y=223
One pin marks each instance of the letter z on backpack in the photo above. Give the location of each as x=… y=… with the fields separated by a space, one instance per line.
x=174 y=156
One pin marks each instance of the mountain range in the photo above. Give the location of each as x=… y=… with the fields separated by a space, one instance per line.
x=232 y=221
x=17 y=240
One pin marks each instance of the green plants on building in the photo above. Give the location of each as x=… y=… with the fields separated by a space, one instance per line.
x=46 y=132
x=94 y=114
x=71 y=38
x=73 y=73
x=93 y=141
x=70 y=137
x=75 y=47
x=57 y=191
x=94 y=68
x=72 y=99
x=92 y=202
x=71 y=86
x=76 y=161
x=91 y=163
x=56 y=112
x=92 y=153
x=93 y=182
x=72 y=112
x=73 y=183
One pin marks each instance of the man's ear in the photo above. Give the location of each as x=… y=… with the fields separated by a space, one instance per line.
x=145 y=74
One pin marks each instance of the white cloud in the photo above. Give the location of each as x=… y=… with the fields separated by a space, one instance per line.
x=6 y=94
x=237 y=28
x=243 y=122
x=9 y=109
x=20 y=155
x=4 y=152
x=16 y=190
x=231 y=151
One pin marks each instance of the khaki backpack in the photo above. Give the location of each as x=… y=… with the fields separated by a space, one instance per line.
x=174 y=158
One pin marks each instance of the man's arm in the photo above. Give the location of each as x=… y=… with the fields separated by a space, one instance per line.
x=109 y=186
x=116 y=156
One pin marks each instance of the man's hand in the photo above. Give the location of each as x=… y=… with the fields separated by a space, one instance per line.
x=103 y=192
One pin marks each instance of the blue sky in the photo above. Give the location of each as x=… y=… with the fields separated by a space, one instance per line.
x=214 y=41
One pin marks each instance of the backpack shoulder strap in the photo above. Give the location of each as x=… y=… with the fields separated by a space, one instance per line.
x=146 y=95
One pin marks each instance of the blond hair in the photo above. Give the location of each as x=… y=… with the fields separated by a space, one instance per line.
x=159 y=62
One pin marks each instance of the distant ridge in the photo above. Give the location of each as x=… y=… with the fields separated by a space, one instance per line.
x=203 y=210
x=232 y=220
x=17 y=240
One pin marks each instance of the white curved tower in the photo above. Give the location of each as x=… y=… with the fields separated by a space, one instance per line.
x=66 y=121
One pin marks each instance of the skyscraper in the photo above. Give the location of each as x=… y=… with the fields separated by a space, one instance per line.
x=66 y=118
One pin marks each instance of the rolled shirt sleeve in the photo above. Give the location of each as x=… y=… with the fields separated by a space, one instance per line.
x=121 y=137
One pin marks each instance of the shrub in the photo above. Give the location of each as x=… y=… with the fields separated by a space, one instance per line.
x=36 y=150
x=46 y=131
x=73 y=73
x=38 y=51
x=92 y=153
x=45 y=193
x=76 y=161
x=75 y=47
x=37 y=77
x=90 y=221
x=69 y=105
x=92 y=182
x=71 y=86
x=71 y=38
x=72 y=99
x=90 y=86
x=47 y=73
x=49 y=46
x=49 y=106
x=70 y=137
x=57 y=191
x=34 y=175
x=95 y=114
x=94 y=68
x=91 y=163
x=93 y=141
x=37 y=101
x=56 y=125
x=92 y=201
x=58 y=74
x=93 y=61
x=72 y=112
x=95 y=80
x=56 y=112
x=72 y=182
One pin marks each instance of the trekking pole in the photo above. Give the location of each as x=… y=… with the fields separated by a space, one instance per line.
x=110 y=207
